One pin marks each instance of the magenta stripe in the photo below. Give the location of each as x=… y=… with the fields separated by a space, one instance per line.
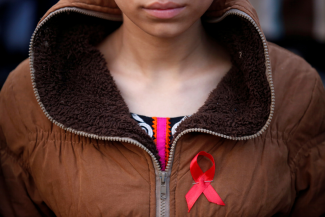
x=161 y=140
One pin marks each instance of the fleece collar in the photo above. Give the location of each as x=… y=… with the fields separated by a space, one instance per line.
x=77 y=92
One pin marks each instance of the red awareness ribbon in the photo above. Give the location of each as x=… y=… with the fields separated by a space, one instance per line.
x=202 y=183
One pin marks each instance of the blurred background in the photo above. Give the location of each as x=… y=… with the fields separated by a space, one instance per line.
x=18 y=19
x=298 y=25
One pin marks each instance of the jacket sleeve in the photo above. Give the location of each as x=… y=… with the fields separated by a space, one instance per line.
x=18 y=193
x=309 y=160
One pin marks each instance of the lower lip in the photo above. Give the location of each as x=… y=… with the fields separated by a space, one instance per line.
x=164 y=13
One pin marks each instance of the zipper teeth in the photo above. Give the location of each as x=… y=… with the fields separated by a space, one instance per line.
x=269 y=76
x=163 y=208
x=121 y=139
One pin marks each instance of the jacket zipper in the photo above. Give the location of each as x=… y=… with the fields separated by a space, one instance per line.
x=162 y=195
x=162 y=177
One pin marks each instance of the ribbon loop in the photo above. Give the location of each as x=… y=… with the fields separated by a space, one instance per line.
x=202 y=183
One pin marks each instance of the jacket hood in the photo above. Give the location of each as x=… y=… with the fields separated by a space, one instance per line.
x=75 y=90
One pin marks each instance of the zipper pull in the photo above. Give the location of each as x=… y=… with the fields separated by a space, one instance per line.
x=163 y=189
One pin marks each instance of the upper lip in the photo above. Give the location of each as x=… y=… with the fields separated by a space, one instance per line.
x=161 y=6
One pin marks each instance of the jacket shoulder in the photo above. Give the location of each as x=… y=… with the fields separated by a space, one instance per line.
x=19 y=196
x=282 y=58
x=299 y=116
x=20 y=114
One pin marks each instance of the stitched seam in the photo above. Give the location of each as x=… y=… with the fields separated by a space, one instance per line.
x=48 y=134
x=277 y=139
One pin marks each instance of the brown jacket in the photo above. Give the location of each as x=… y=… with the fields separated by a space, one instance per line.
x=70 y=148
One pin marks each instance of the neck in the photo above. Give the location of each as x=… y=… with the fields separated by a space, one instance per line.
x=151 y=55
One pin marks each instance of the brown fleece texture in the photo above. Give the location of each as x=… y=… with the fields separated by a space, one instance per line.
x=78 y=91
x=74 y=83
x=240 y=105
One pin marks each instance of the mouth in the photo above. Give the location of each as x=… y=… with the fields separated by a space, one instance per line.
x=166 y=10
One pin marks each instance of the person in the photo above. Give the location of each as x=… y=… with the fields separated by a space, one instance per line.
x=119 y=99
